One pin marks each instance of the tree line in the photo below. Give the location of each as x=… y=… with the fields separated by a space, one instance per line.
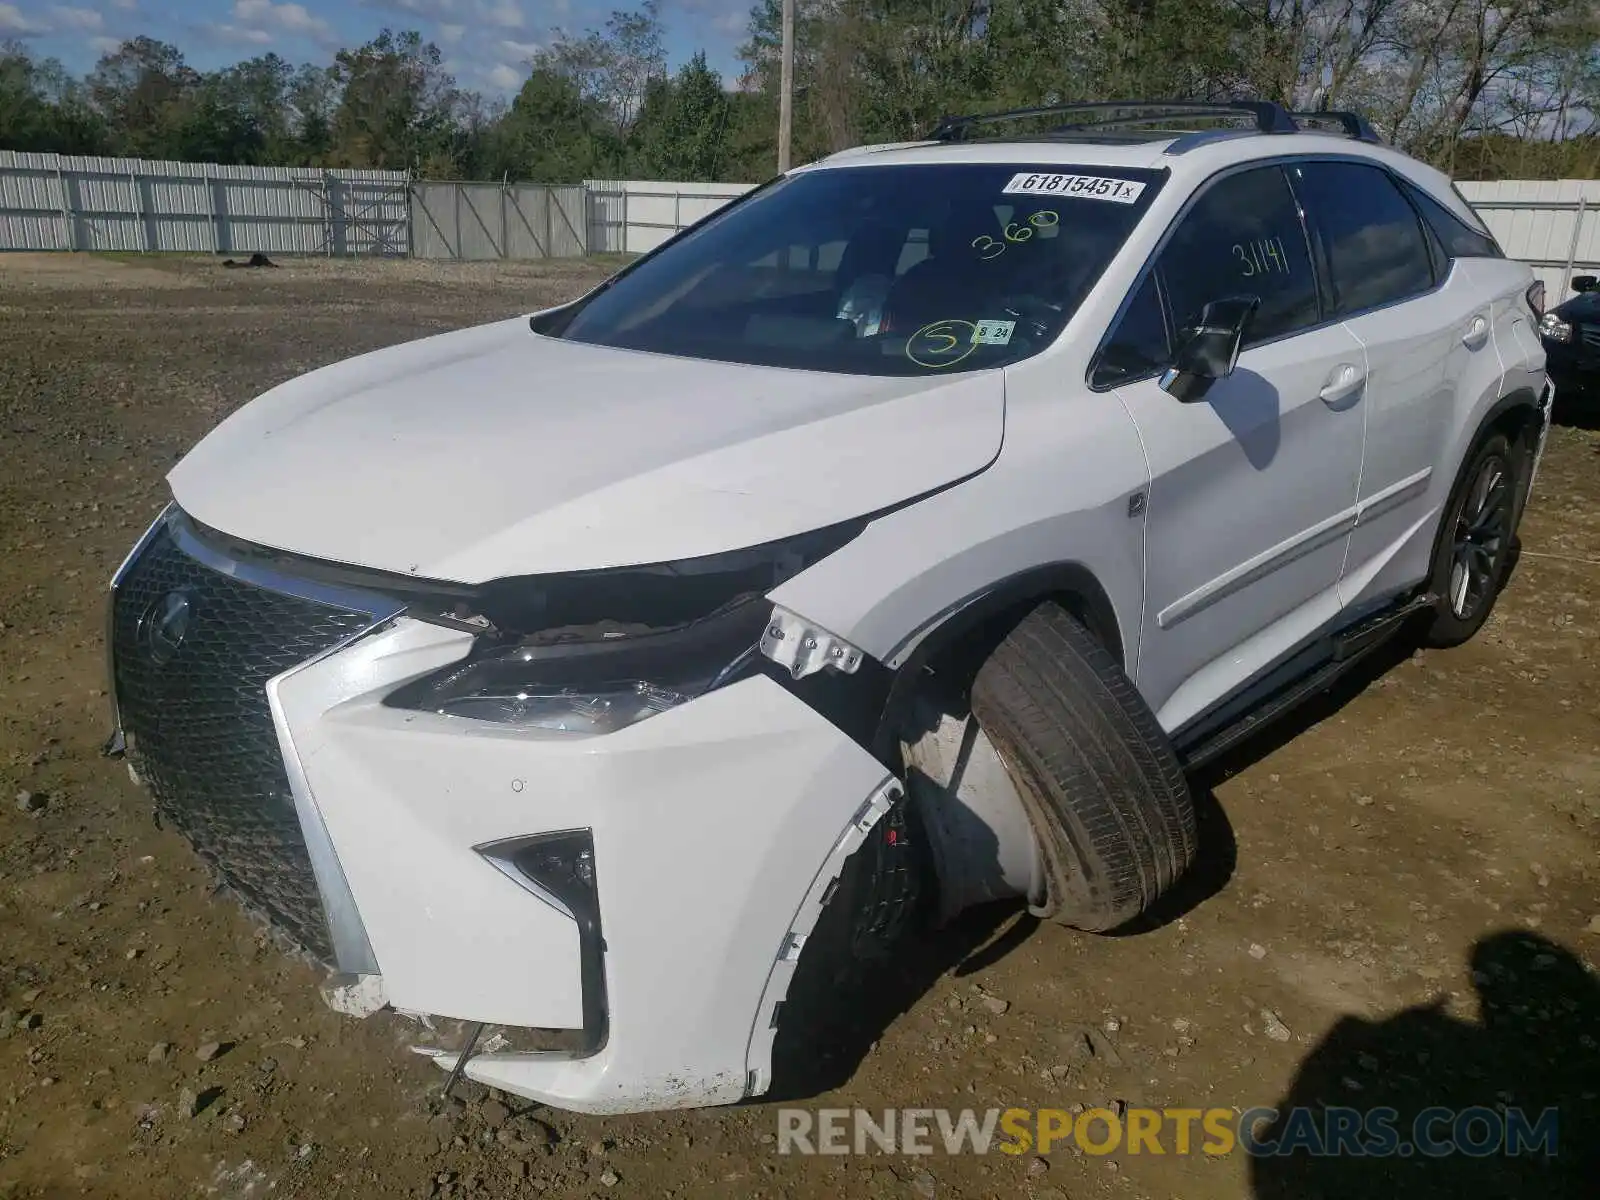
x=1482 y=88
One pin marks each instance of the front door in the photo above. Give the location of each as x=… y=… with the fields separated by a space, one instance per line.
x=1253 y=488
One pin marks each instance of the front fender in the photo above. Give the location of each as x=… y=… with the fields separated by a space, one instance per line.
x=1063 y=492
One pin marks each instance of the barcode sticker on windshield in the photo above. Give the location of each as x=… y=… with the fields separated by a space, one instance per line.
x=1085 y=187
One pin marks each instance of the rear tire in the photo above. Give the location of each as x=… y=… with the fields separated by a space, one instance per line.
x=1102 y=786
x=1474 y=544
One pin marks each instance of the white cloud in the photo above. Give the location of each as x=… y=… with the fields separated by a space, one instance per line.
x=505 y=77
x=81 y=20
x=522 y=50
x=105 y=45
x=125 y=5
x=285 y=18
x=239 y=34
x=430 y=9
x=505 y=13
x=13 y=23
x=451 y=34
x=501 y=14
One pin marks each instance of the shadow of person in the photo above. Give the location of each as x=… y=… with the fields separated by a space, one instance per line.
x=1471 y=1099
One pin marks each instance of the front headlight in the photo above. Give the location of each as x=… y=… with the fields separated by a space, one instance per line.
x=593 y=652
x=595 y=686
x=1553 y=328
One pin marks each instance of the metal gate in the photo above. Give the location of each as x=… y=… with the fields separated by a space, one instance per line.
x=369 y=218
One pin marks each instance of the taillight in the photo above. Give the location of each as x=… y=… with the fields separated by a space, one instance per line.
x=1535 y=297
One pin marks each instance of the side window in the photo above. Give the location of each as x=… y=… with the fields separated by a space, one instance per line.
x=1376 y=250
x=1458 y=238
x=1138 y=345
x=1244 y=238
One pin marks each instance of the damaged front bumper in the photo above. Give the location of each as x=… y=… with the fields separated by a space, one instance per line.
x=711 y=824
x=711 y=831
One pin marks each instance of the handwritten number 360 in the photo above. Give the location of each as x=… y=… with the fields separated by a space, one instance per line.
x=1014 y=232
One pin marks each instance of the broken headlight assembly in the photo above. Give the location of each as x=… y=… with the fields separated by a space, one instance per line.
x=595 y=652
x=594 y=686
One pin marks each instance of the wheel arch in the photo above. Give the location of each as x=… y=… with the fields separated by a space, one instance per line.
x=961 y=640
x=1519 y=414
x=1515 y=413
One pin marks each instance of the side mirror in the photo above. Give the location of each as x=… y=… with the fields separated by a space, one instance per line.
x=1585 y=283
x=1210 y=350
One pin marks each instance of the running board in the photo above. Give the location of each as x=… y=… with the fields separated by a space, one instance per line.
x=1313 y=670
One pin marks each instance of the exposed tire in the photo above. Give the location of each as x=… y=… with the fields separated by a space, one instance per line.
x=1102 y=786
x=1474 y=543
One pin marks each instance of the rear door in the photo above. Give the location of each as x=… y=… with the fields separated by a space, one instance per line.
x=1421 y=326
x=1253 y=488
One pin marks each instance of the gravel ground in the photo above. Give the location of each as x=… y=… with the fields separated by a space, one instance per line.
x=1399 y=899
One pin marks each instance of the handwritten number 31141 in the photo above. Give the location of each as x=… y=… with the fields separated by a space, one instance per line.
x=1014 y=233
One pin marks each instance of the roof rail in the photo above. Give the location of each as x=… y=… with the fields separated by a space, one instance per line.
x=1268 y=117
x=1353 y=124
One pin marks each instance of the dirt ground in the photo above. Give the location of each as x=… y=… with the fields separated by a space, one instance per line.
x=1399 y=899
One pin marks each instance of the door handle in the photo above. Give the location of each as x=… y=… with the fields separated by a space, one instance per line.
x=1477 y=333
x=1343 y=382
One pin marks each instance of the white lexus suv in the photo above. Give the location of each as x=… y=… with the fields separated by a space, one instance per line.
x=615 y=685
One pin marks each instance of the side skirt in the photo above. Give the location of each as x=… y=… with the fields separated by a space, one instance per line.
x=1305 y=673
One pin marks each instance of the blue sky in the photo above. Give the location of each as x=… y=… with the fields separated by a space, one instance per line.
x=486 y=42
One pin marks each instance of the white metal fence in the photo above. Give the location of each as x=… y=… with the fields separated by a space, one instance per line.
x=1553 y=225
x=477 y=221
x=635 y=216
x=56 y=202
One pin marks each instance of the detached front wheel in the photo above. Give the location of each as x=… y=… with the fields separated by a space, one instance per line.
x=1104 y=791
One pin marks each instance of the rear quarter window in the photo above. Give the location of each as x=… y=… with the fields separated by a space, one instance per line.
x=1458 y=238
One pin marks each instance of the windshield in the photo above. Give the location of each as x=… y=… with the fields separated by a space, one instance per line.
x=902 y=270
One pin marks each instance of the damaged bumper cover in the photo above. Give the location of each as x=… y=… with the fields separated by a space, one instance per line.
x=712 y=824
x=634 y=901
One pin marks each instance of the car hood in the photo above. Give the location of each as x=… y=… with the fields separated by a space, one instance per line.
x=496 y=451
x=1585 y=306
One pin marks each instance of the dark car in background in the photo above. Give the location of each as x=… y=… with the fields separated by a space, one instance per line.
x=1571 y=336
